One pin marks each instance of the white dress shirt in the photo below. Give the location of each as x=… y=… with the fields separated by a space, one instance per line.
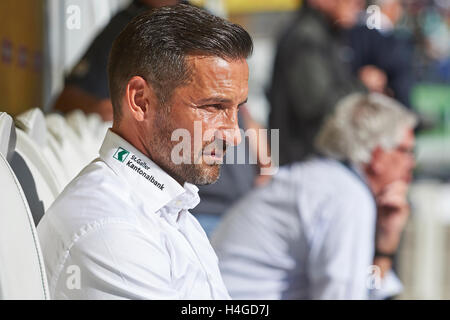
x=309 y=234
x=122 y=230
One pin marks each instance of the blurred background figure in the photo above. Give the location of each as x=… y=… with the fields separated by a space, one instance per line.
x=311 y=73
x=310 y=233
x=391 y=12
x=328 y=51
x=369 y=40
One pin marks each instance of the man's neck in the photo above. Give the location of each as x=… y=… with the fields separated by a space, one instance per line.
x=132 y=137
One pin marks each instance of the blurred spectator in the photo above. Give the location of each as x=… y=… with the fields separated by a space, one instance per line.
x=324 y=55
x=312 y=71
x=86 y=87
x=391 y=12
x=310 y=233
x=429 y=21
x=380 y=56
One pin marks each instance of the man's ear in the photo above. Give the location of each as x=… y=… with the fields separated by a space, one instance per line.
x=138 y=97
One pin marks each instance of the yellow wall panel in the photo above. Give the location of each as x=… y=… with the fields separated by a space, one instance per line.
x=247 y=6
x=21 y=43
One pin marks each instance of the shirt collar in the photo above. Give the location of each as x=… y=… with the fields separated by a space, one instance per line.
x=152 y=184
x=358 y=171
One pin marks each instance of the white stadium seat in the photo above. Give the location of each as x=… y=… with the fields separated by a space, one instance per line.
x=36 y=171
x=91 y=129
x=38 y=158
x=64 y=142
x=7 y=135
x=51 y=151
x=33 y=124
x=22 y=273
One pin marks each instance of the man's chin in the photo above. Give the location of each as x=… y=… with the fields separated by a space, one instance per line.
x=211 y=174
x=206 y=174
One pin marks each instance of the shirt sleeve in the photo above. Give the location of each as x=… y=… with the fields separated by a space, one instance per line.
x=116 y=261
x=341 y=251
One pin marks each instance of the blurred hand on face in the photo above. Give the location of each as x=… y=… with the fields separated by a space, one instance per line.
x=389 y=180
x=393 y=207
x=373 y=78
x=392 y=215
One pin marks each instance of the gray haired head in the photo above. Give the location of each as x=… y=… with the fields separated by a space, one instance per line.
x=362 y=122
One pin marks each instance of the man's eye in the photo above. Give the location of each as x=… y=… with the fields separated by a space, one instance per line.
x=213 y=106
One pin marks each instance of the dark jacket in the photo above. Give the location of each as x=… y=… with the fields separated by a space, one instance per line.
x=312 y=71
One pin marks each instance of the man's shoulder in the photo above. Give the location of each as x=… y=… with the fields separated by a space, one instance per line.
x=329 y=178
x=96 y=180
x=328 y=192
x=96 y=195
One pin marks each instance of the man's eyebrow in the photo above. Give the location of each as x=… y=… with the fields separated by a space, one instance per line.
x=244 y=102
x=217 y=99
x=214 y=100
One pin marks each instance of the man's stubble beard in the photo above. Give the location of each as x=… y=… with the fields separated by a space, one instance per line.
x=161 y=145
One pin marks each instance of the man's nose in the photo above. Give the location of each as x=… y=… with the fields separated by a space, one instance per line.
x=230 y=133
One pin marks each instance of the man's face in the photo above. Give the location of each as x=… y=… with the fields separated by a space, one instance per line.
x=208 y=103
x=397 y=164
x=344 y=13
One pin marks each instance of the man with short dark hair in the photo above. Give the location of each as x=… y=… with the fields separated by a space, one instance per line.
x=122 y=228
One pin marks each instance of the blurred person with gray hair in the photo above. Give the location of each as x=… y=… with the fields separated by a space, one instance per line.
x=327 y=228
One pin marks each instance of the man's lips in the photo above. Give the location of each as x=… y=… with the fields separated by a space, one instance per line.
x=215 y=154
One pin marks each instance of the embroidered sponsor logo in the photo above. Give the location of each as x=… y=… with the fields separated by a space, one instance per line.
x=142 y=173
x=121 y=154
x=140 y=162
x=137 y=165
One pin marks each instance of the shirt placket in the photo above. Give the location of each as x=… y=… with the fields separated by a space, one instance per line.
x=186 y=234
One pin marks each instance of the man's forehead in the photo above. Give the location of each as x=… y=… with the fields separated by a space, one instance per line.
x=203 y=65
x=217 y=77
